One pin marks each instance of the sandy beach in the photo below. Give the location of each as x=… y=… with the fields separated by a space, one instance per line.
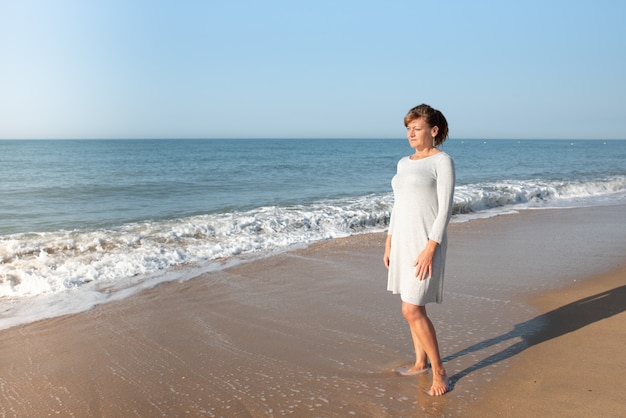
x=532 y=324
x=575 y=366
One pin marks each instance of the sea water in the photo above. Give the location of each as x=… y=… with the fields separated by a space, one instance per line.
x=83 y=222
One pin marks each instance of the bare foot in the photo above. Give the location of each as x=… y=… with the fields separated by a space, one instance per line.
x=415 y=370
x=441 y=385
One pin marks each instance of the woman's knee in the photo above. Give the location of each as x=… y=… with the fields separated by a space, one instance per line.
x=412 y=312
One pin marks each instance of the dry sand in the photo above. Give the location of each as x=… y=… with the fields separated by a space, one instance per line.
x=575 y=366
x=532 y=324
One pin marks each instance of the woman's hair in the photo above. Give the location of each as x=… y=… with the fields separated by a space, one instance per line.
x=432 y=117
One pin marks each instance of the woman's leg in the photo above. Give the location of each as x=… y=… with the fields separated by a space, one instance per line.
x=423 y=329
x=421 y=359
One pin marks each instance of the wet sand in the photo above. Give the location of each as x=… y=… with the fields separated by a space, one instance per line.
x=313 y=333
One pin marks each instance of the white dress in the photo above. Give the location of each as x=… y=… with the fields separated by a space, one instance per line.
x=423 y=200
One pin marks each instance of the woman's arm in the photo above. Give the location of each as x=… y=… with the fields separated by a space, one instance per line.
x=445 y=202
x=445 y=199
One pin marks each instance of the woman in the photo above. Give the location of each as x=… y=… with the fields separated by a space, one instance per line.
x=415 y=249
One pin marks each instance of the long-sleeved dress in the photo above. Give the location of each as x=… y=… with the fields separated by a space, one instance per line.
x=423 y=201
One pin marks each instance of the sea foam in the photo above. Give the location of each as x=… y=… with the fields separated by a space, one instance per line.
x=51 y=273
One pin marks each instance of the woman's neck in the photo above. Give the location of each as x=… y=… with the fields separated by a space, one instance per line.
x=424 y=152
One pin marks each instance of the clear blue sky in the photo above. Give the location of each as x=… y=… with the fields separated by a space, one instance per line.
x=324 y=68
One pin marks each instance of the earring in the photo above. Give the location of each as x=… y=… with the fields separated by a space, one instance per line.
x=434 y=141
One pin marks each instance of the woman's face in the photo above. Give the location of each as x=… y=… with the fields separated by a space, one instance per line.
x=420 y=134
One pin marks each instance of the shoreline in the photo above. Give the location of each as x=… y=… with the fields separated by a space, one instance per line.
x=312 y=332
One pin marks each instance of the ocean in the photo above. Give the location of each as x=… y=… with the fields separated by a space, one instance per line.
x=84 y=222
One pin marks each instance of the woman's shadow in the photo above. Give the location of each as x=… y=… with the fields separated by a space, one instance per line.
x=553 y=324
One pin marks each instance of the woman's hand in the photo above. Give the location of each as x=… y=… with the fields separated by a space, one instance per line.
x=387 y=251
x=424 y=262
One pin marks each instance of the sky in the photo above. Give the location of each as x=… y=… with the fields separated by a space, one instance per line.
x=311 y=69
